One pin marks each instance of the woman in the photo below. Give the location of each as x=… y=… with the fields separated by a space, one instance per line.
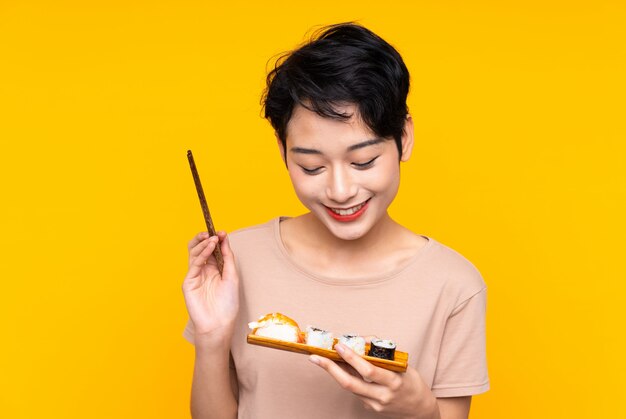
x=338 y=107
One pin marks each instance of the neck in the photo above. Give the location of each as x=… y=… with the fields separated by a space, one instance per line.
x=333 y=247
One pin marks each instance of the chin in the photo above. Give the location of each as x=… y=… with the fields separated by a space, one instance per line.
x=347 y=232
x=349 y=236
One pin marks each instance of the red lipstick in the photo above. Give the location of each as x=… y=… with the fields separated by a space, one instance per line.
x=348 y=218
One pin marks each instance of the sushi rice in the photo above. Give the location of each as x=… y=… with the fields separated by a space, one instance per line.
x=354 y=342
x=319 y=338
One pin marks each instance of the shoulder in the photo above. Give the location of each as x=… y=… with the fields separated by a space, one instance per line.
x=459 y=278
x=253 y=236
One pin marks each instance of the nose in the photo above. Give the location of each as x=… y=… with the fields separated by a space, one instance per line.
x=341 y=188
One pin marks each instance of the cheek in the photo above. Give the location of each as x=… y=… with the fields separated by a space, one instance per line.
x=386 y=178
x=303 y=184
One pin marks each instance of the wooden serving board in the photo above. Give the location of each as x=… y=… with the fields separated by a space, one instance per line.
x=399 y=363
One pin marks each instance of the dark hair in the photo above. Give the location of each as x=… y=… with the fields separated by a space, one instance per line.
x=341 y=64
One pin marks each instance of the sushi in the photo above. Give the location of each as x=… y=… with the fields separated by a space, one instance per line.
x=319 y=338
x=354 y=342
x=277 y=326
x=382 y=348
x=280 y=327
x=277 y=331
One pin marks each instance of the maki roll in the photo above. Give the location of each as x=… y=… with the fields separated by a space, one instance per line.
x=319 y=338
x=382 y=348
x=354 y=342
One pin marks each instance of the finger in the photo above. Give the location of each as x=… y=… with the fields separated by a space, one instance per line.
x=368 y=339
x=197 y=239
x=348 y=368
x=197 y=249
x=368 y=371
x=229 y=256
x=196 y=264
x=201 y=247
x=371 y=404
x=347 y=381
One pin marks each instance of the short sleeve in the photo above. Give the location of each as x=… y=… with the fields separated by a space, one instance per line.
x=462 y=364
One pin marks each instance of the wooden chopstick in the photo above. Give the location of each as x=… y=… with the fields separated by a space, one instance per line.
x=205 y=211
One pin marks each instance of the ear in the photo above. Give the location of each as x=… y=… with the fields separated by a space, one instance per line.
x=407 y=139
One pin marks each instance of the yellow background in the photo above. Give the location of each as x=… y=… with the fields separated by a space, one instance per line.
x=519 y=165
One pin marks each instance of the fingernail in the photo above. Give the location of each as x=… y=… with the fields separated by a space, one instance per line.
x=314 y=360
x=339 y=348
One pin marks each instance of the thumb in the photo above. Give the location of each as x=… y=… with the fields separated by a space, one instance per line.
x=229 y=256
x=368 y=338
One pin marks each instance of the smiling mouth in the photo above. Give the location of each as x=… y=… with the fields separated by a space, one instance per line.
x=348 y=211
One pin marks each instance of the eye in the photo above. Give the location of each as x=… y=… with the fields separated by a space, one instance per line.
x=314 y=171
x=365 y=165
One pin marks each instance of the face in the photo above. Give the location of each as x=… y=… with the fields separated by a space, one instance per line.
x=341 y=171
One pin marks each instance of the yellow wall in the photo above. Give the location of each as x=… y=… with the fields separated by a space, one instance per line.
x=519 y=110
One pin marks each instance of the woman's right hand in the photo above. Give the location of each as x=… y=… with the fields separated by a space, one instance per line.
x=212 y=299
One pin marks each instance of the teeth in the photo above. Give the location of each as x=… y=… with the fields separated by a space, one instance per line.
x=348 y=211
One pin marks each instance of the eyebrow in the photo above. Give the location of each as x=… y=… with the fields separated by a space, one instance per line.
x=353 y=147
x=366 y=143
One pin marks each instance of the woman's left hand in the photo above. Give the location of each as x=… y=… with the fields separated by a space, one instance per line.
x=398 y=395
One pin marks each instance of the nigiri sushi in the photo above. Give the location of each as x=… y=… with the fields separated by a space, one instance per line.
x=277 y=326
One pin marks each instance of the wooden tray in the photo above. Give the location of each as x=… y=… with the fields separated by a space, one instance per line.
x=399 y=363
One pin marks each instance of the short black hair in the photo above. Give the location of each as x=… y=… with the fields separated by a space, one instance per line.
x=341 y=64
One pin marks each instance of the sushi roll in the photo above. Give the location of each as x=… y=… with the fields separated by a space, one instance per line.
x=277 y=326
x=319 y=338
x=382 y=348
x=354 y=342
